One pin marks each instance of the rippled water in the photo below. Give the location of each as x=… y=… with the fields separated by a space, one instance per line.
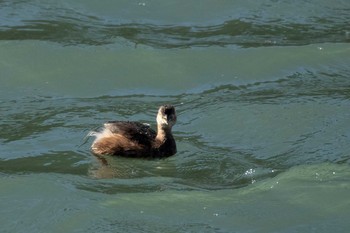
x=262 y=92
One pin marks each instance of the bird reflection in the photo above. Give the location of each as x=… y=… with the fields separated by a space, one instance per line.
x=107 y=167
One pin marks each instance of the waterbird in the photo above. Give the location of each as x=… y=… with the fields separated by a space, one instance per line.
x=136 y=139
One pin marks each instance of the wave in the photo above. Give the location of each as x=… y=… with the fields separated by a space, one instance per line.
x=72 y=27
x=231 y=33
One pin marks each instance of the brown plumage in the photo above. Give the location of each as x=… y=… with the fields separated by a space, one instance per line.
x=134 y=139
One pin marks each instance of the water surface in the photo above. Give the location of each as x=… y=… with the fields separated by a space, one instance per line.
x=262 y=95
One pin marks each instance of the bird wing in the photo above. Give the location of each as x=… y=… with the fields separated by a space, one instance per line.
x=135 y=131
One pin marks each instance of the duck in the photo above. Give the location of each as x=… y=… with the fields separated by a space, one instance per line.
x=136 y=139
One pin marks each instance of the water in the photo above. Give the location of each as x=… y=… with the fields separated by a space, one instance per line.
x=262 y=92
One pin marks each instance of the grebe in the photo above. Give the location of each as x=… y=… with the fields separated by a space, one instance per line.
x=134 y=139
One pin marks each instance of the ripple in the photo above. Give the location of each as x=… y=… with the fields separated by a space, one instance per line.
x=228 y=136
x=70 y=26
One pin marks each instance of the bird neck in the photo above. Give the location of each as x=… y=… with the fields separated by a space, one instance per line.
x=165 y=143
x=163 y=133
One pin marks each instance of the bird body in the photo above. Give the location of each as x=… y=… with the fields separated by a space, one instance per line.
x=135 y=139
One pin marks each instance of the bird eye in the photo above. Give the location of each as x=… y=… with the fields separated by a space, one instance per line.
x=168 y=111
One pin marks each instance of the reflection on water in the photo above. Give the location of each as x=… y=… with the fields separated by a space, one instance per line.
x=123 y=168
x=216 y=172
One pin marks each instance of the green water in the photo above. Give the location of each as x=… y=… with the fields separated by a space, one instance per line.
x=262 y=92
